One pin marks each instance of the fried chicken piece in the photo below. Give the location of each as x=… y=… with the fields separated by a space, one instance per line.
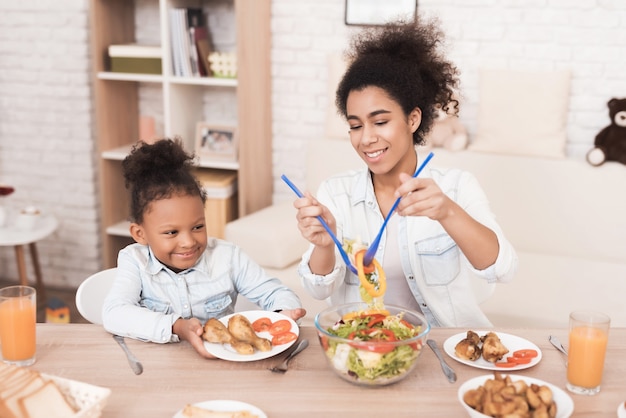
x=474 y=398
x=469 y=347
x=493 y=349
x=216 y=332
x=240 y=327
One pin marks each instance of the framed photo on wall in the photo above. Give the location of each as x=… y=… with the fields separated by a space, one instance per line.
x=215 y=142
x=378 y=12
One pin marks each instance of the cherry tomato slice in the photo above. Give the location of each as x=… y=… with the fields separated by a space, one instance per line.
x=284 y=338
x=280 y=326
x=406 y=323
x=505 y=364
x=519 y=360
x=262 y=324
x=376 y=319
x=526 y=353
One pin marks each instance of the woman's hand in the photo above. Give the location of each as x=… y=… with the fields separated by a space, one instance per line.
x=294 y=314
x=422 y=197
x=323 y=256
x=310 y=227
x=191 y=330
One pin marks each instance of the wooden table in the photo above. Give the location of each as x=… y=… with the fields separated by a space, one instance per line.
x=175 y=375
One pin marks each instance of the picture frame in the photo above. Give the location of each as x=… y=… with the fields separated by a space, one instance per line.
x=378 y=12
x=216 y=142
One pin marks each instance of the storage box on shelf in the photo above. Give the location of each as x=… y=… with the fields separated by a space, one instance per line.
x=135 y=58
x=117 y=106
x=221 y=203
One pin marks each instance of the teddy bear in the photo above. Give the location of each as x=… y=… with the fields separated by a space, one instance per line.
x=447 y=132
x=610 y=143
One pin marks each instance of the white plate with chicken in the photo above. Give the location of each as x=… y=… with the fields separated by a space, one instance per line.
x=249 y=335
x=220 y=409
x=503 y=352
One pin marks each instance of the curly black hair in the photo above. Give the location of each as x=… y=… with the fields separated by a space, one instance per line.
x=404 y=60
x=159 y=171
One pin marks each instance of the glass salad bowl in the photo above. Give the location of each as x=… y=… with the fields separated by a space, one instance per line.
x=371 y=347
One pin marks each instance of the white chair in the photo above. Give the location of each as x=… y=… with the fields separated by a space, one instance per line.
x=91 y=293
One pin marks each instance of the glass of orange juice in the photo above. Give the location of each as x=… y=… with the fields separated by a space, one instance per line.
x=588 y=337
x=18 y=316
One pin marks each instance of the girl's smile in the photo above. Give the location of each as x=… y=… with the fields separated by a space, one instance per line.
x=175 y=230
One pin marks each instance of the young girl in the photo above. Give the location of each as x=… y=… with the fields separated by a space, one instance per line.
x=175 y=278
x=443 y=232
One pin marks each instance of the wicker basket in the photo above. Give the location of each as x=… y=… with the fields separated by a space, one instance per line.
x=89 y=400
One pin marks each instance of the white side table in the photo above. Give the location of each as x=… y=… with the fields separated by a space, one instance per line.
x=12 y=235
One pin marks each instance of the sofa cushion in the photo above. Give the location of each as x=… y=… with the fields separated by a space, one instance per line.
x=548 y=287
x=269 y=236
x=522 y=113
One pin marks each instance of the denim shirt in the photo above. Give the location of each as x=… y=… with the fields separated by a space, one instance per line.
x=147 y=297
x=436 y=271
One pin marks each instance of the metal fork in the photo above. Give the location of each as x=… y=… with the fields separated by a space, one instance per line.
x=282 y=367
x=132 y=360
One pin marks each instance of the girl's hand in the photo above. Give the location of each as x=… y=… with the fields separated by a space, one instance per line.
x=422 y=197
x=191 y=330
x=294 y=314
x=310 y=227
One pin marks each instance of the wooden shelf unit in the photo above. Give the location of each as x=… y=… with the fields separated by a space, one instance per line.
x=117 y=107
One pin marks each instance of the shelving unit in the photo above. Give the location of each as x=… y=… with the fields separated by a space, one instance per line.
x=117 y=107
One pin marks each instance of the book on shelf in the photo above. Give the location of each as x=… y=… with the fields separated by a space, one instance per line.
x=175 y=43
x=190 y=40
x=204 y=47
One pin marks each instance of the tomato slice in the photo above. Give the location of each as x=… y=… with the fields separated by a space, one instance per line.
x=262 y=324
x=407 y=323
x=280 y=326
x=284 y=338
x=376 y=319
x=378 y=347
x=519 y=360
x=525 y=353
x=505 y=364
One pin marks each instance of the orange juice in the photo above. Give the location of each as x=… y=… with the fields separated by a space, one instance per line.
x=587 y=347
x=17 y=328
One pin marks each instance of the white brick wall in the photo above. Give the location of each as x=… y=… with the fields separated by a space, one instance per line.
x=47 y=146
x=584 y=36
x=46 y=140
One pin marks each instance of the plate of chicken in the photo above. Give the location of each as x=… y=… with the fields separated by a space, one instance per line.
x=249 y=335
x=491 y=350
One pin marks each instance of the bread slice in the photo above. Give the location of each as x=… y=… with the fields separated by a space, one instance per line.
x=46 y=402
x=12 y=402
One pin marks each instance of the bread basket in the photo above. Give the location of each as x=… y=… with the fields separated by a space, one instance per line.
x=89 y=400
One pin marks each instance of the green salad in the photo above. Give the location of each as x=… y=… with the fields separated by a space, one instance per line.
x=373 y=355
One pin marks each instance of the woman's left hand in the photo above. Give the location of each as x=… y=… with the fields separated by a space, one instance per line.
x=422 y=197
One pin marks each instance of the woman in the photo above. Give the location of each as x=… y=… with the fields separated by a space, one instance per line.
x=443 y=232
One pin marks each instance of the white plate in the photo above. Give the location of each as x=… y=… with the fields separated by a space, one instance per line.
x=621 y=410
x=564 y=403
x=511 y=342
x=226 y=406
x=226 y=352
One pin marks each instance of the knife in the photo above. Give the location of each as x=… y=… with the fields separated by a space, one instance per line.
x=447 y=370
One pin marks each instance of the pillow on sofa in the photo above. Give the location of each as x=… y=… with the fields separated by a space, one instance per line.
x=522 y=113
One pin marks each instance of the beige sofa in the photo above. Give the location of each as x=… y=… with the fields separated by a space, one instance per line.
x=566 y=219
